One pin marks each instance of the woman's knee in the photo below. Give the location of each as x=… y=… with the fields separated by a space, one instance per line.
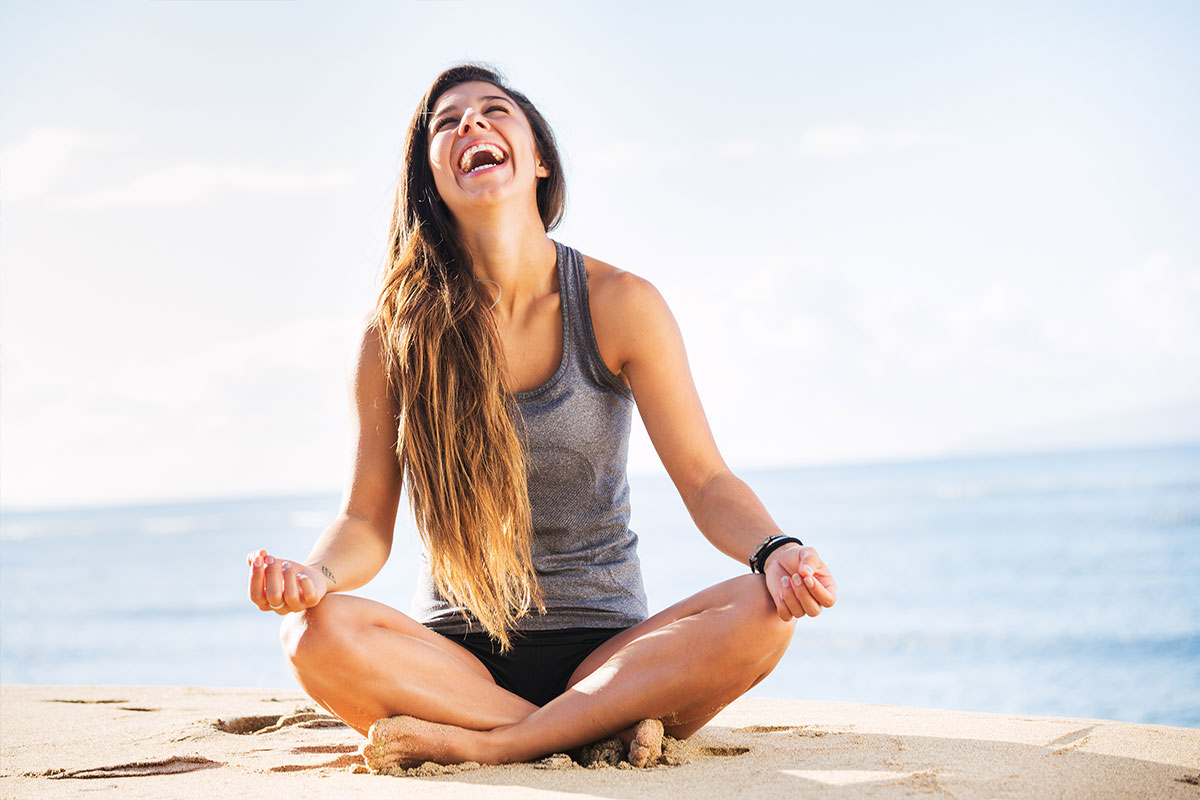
x=758 y=616
x=315 y=632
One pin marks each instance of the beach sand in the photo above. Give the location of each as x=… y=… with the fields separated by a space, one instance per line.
x=156 y=742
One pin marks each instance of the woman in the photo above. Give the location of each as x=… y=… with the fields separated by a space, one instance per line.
x=496 y=379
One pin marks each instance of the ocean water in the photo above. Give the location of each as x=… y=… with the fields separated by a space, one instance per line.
x=1063 y=584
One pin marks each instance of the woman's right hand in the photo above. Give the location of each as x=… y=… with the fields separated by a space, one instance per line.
x=283 y=586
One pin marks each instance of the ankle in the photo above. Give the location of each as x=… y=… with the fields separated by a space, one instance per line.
x=494 y=746
x=626 y=735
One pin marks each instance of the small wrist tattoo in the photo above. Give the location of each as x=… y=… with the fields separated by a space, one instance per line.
x=325 y=571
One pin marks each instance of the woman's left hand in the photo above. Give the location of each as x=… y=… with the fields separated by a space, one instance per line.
x=799 y=582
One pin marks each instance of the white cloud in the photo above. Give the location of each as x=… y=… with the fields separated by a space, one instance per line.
x=738 y=149
x=311 y=346
x=830 y=141
x=994 y=305
x=905 y=330
x=848 y=139
x=936 y=361
x=611 y=155
x=188 y=183
x=1132 y=333
x=33 y=165
x=259 y=412
x=820 y=141
x=614 y=154
x=1160 y=300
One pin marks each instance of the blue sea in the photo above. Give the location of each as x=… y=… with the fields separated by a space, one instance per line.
x=1050 y=584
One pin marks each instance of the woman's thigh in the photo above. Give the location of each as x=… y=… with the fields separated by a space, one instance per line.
x=743 y=591
x=364 y=661
x=340 y=614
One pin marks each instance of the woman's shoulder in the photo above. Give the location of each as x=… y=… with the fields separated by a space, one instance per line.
x=625 y=308
x=611 y=287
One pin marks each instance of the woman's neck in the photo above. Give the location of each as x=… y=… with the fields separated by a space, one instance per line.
x=520 y=258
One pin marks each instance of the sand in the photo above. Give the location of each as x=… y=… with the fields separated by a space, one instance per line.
x=161 y=742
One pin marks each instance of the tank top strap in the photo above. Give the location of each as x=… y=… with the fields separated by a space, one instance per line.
x=578 y=324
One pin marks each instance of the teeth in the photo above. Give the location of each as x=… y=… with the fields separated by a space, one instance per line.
x=470 y=151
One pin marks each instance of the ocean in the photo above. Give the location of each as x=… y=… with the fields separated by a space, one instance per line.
x=1058 y=584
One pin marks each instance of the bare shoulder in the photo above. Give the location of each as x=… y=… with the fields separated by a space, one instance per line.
x=622 y=306
x=612 y=284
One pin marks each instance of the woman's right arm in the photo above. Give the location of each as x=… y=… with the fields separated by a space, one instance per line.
x=355 y=547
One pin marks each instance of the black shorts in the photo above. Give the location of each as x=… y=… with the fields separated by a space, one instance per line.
x=540 y=663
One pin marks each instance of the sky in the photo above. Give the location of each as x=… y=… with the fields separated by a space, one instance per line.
x=887 y=231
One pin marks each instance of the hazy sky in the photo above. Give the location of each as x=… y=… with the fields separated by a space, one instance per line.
x=887 y=230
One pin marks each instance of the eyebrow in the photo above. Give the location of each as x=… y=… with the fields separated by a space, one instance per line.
x=449 y=109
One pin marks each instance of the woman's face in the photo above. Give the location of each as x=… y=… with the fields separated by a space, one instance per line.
x=481 y=149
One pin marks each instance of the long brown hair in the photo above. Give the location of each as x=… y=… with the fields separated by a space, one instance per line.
x=457 y=439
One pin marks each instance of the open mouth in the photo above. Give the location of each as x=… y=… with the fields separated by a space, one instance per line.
x=480 y=157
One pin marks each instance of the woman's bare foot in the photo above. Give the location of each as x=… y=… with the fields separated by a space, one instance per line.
x=408 y=742
x=646 y=747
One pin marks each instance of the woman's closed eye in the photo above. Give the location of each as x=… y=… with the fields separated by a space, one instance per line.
x=441 y=123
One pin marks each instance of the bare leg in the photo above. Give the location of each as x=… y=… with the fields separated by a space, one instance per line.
x=363 y=660
x=681 y=666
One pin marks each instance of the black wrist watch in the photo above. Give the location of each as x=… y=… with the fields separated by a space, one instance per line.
x=768 y=546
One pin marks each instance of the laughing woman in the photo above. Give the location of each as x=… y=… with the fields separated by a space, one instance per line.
x=496 y=381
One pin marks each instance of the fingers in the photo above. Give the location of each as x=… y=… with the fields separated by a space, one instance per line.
x=817 y=580
x=257 y=568
x=279 y=585
x=787 y=594
x=821 y=593
x=803 y=596
x=291 y=592
x=274 y=583
x=781 y=606
x=308 y=592
x=795 y=596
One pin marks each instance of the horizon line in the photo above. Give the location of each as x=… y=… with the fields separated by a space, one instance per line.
x=982 y=454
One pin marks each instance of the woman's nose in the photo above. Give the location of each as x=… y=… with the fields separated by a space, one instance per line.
x=471 y=118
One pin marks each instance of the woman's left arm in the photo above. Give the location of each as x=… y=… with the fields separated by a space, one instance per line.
x=723 y=506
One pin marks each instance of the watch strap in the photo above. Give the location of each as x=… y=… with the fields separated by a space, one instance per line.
x=768 y=546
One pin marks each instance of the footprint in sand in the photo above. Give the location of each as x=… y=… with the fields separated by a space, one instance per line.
x=767 y=728
x=799 y=730
x=138 y=769
x=350 y=760
x=348 y=757
x=103 y=702
x=325 y=748
x=86 y=702
x=301 y=717
x=724 y=751
x=1070 y=741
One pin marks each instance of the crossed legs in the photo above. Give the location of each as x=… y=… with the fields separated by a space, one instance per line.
x=364 y=662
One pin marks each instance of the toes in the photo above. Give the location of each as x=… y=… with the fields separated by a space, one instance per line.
x=649 y=732
x=373 y=755
x=390 y=744
x=646 y=747
x=376 y=750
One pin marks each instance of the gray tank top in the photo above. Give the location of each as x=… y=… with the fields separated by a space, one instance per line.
x=578 y=422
